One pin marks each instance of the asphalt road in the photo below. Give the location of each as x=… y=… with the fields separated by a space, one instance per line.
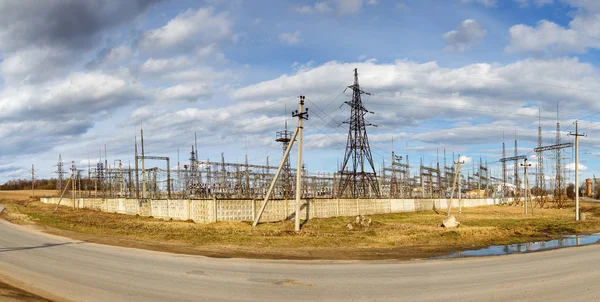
x=91 y=272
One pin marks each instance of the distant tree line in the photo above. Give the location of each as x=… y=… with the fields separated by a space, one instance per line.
x=25 y=184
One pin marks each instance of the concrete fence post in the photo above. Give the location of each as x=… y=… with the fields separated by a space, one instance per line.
x=168 y=209
x=337 y=210
x=253 y=209
x=215 y=211
x=189 y=209
x=357 y=208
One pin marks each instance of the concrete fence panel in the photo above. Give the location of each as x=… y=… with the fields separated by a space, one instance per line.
x=211 y=210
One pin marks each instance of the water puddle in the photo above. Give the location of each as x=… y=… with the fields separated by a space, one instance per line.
x=519 y=248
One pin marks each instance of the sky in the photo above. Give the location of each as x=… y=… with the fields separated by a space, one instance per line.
x=456 y=75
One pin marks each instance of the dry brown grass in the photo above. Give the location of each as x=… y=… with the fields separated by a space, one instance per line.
x=412 y=233
x=21 y=196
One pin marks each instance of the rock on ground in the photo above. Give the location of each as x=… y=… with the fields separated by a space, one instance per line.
x=359 y=222
x=450 y=222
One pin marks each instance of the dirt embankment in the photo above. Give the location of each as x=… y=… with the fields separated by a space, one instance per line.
x=20 y=292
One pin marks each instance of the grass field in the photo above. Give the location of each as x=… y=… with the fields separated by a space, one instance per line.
x=399 y=236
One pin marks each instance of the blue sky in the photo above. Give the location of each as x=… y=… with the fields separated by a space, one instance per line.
x=455 y=75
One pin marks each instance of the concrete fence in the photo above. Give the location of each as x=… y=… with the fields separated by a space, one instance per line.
x=212 y=210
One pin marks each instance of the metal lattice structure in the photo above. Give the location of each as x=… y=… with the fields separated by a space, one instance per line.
x=284 y=137
x=355 y=181
x=540 y=181
x=559 y=185
x=503 y=169
x=559 y=181
x=60 y=172
x=516 y=177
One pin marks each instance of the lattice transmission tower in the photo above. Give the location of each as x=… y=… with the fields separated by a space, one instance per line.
x=540 y=181
x=355 y=181
x=60 y=172
x=284 y=137
x=559 y=181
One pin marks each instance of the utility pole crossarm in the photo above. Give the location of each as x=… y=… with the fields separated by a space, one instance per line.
x=553 y=147
x=152 y=157
x=512 y=158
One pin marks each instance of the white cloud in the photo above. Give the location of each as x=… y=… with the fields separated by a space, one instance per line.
x=342 y=7
x=197 y=74
x=401 y=6
x=538 y=3
x=299 y=66
x=290 y=38
x=319 y=7
x=35 y=64
x=464 y=36
x=118 y=53
x=348 y=6
x=372 y=2
x=591 y=6
x=571 y=167
x=79 y=95
x=202 y=26
x=486 y=3
x=546 y=36
x=165 y=65
x=526 y=79
x=109 y=57
x=188 y=93
x=465 y=159
x=407 y=95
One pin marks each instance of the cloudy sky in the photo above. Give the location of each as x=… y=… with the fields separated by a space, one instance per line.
x=457 y=75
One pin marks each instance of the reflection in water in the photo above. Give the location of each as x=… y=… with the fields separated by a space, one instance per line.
x=569 y=240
